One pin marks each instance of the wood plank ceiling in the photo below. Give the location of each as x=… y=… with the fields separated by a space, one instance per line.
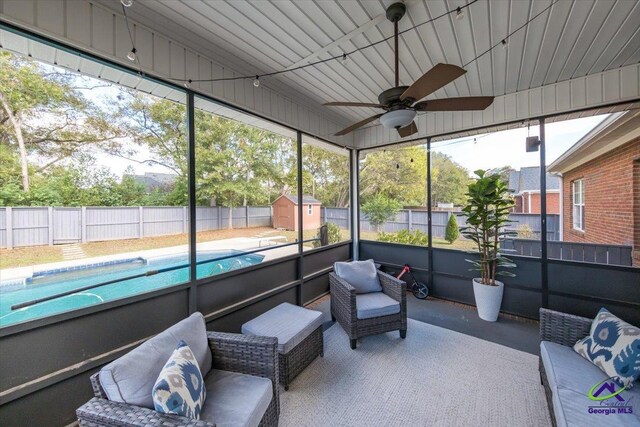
x=578 y=38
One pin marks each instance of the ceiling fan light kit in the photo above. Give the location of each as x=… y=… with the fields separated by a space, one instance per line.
x=397 y=118
x=400 y=102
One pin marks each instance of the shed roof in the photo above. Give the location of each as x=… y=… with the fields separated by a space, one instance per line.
x=306 y=199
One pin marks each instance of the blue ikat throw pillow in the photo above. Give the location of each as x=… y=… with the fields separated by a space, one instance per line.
x=613 y=345
x=179 y=389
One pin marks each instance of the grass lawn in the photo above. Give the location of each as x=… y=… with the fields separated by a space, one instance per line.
x=24 y=257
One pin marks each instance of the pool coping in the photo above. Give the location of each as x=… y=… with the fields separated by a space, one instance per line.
x=22 y=275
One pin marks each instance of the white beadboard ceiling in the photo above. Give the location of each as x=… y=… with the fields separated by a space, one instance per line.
x=578 y=55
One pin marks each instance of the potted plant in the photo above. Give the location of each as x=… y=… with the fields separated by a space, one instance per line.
x=487 y=212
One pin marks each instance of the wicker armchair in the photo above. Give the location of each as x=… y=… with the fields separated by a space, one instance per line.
x=343 y=308
x=231 y=352
x=564 y=329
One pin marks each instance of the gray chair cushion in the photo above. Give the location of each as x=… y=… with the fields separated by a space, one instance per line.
x=362 y=275
x=235 y=399
x=287 y=322
x=570 y=378
x=375 y=305
x=130 y=378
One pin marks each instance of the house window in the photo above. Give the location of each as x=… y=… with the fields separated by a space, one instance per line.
x=309 y=209
x=578 y=204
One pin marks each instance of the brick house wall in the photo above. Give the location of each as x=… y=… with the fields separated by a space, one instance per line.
x=522 y=203
x=553 y=203
x=612 y=198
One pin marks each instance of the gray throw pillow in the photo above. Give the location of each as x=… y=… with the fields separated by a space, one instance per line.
x=362 y=275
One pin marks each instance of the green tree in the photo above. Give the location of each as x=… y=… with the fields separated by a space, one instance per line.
x=452 y=232
x=380 y=209
x=325 y=175
x=449 y=180
x=43 y=112
x=399 y=174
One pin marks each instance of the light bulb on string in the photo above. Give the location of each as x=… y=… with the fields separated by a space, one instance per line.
x=344 y=59
x=187 y=84
x=505 y=43
x=256 y=82
x=131 y=56
x=459 y=13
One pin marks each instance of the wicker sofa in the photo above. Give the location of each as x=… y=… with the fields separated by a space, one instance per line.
x=231 y=355
x=344 y=308
x=567 y=377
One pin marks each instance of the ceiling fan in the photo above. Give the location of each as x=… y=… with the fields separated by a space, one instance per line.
x=399 y=102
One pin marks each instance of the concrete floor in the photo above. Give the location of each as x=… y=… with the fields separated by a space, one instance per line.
x=519 y=334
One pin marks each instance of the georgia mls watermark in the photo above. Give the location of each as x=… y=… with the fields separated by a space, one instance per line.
x=611 y=399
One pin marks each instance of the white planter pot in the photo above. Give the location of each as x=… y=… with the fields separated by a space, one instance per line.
x=488 y=299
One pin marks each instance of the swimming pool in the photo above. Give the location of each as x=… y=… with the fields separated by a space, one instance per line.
x=54 y=282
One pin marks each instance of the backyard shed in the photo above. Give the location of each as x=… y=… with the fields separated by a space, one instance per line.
x=285 y=212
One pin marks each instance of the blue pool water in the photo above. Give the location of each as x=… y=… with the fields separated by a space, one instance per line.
x=52 y=283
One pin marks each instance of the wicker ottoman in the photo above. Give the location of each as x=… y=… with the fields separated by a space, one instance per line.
x=299 y=333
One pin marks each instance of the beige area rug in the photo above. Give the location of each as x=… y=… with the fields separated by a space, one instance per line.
x=435 y=377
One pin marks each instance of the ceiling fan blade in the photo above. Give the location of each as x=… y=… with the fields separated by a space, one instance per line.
x=433 y=80
x=351 y=104
x=357 y=125
x=455 y=104
x=408 y=130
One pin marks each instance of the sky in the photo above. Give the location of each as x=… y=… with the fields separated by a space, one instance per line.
x=508 y=147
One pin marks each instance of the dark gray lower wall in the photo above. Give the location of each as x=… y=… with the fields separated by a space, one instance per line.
x=573 y=287
x=45 y=365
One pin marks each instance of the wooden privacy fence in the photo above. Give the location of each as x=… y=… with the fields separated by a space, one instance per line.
x=411 y=219
x=570 y=251
x=32 y=226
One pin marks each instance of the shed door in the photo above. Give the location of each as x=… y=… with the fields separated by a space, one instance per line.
x=283 y=217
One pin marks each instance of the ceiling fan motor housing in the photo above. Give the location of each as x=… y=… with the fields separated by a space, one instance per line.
x=391 y=97
x=396 y=11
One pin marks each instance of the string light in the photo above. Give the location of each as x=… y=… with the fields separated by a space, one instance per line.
x=256 y=82
x=458 y=11
x=131 y=56
x=187 y=84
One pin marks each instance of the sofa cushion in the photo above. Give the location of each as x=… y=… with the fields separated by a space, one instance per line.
x=179 y=389
x=570 y=378
x=362 y=275
x=287 y=322
x=235 y=399
x=561 y=364
x=375 y=305
x=574 y=409
x=130 y=378
x=614 y=346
